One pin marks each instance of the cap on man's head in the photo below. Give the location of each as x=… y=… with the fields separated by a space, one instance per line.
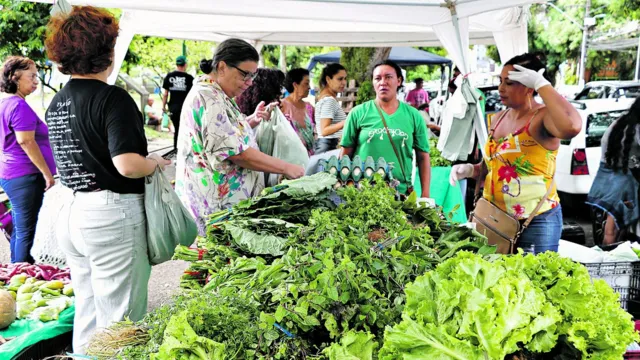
x=181 y=60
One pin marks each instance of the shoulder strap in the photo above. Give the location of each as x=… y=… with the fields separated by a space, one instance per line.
x=526 y=127
x=498 y=121
x=535 y=211
x=393 y=145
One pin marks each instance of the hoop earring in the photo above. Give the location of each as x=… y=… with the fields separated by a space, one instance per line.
x=530 y=107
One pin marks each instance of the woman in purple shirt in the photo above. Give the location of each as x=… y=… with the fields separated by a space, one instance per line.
x=26 y=161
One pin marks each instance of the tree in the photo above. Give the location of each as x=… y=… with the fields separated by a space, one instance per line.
x=556 y=39
x=359 y=63
x=22 y=32
x=493 y=54
x=627 y=9
x=159 y=54
x=297 y=56
x=426 y=72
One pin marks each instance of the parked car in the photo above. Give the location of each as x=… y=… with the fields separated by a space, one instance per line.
x=609 y=90
x=492 y=103
x=579 y=158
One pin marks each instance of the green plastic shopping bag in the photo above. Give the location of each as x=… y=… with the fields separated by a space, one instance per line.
x=168 y=221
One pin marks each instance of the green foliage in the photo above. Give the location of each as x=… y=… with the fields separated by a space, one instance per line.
x=340 y=275
x=365 y=92
x=473 y=308
x=427 y=72
x=22 y=29
x=297 y=56
x=493 y=54
x=203 y=322
x=553 y=36
x=357 y=62
x=628 y=9
x=159 y=54
x=435 y=155
x=181 y=342
x=557 y=39
x=354 y=345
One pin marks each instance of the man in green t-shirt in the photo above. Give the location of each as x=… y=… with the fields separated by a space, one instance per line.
x=365 y=135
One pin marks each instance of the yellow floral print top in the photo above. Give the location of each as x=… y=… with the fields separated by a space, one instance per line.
x=520 y=171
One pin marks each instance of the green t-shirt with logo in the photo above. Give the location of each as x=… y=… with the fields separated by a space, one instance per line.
x=365 y=132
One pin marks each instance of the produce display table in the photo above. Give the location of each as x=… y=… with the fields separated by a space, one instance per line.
x=28 y=333
x=443 y=193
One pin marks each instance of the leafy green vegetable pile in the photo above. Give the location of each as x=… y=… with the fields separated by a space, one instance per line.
x=344 y=270
x=436 y=156
x=374 y=278
x=471 y=308
x=292 y=201
x=201 y=326
x=261 y=226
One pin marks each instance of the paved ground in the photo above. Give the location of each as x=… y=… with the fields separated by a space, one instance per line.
x=165 y=278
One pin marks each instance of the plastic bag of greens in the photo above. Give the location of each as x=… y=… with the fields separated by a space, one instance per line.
x=277 y=138
x=169 y=223
x=265 y=137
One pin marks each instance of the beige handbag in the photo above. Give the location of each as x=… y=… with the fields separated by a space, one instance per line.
x=500 y=228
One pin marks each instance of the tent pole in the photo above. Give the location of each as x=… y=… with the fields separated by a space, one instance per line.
x=122 y=44
x=450 y=78
x=456 y=25
x=258 y=46
x=638 y=61
x=478 y=121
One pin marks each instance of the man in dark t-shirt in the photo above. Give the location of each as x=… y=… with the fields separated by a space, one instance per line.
x=176 y=86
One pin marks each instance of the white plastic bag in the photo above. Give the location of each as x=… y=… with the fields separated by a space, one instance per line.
x=45 y=248
x=622 y=252
x=580 y=253
x=287 y=145
x=168 y=221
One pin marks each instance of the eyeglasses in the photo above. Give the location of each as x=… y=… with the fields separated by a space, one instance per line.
x=246 y=75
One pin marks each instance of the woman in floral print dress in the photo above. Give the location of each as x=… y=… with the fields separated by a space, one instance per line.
x=219 y=163
x=521 y=152
x=297 y=111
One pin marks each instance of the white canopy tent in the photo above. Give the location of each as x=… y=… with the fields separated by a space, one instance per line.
x=454 y=24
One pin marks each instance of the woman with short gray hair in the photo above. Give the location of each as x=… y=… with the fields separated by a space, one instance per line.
x=219 y=162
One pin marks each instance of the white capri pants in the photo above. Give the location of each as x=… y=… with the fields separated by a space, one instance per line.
x=104 y=237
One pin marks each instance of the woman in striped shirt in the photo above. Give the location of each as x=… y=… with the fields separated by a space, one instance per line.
x=330 y=117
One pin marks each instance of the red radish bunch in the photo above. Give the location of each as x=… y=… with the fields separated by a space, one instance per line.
x=40 y=272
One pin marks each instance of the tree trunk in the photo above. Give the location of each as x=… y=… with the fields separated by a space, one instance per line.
x=379 y=55
x=360 y=61
x=283 y=59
